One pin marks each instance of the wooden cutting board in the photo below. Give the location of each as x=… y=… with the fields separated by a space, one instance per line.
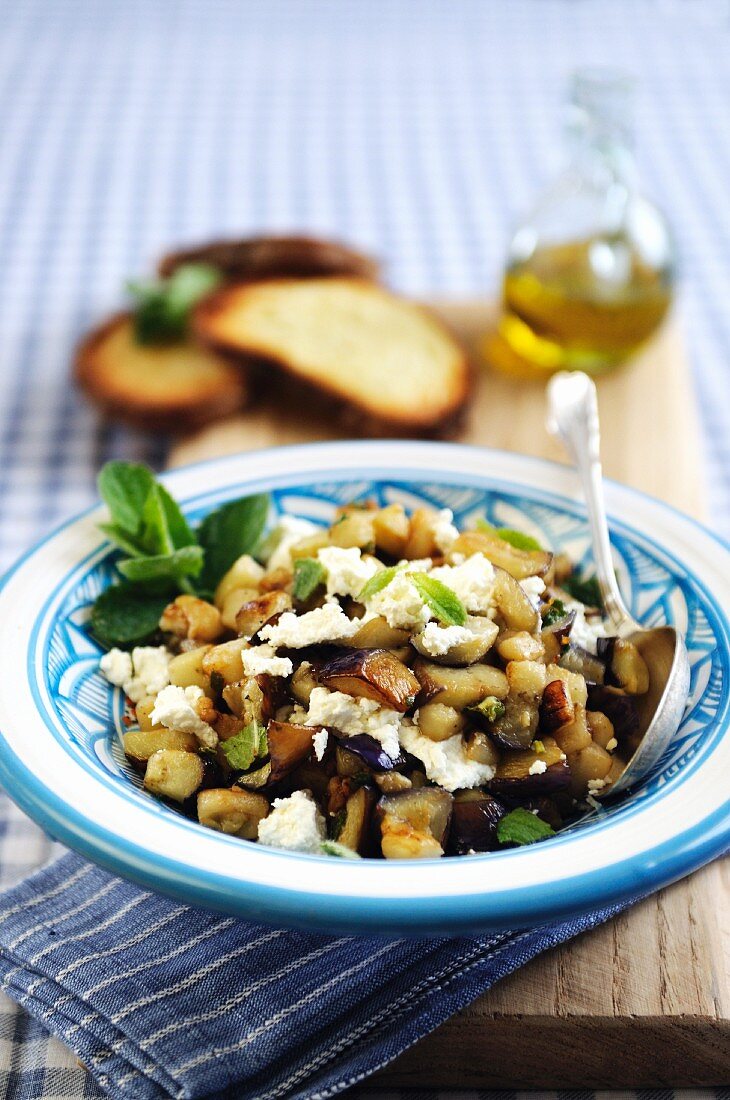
x=644 y=1000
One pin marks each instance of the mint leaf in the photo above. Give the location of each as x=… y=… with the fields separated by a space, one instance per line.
x=378 y=582
x=309 y=574
x=230 y=531
x=553 y=613
x=443 y=601
x=584 y=589
x=186 y=562
x=341 y=851
x=241 y=750
x=122 y=539
x=164 y=528
x=124 y=487
x=518 y=539
x=163 y=308
x=124 y=616
x=522 y=827
x=490 y=708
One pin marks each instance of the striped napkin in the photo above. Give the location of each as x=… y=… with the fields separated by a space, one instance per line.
x=161 y=1000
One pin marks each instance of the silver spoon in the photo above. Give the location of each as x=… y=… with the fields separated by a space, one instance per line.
x=573 y=418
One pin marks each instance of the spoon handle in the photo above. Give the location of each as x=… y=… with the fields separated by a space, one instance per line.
x=573 y=418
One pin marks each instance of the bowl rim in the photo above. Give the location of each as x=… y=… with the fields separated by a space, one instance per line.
x=445 y=910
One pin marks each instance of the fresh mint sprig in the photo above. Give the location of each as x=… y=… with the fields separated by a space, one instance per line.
x=522 y=827
x=162 y=309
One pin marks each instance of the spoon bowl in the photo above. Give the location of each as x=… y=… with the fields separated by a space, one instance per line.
x=573 y=418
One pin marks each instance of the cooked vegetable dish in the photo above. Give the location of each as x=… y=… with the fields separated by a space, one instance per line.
x=385 y=687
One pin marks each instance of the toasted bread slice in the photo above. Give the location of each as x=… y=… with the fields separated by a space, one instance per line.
x=168 y=388
x=255 y=258
x=389 y=365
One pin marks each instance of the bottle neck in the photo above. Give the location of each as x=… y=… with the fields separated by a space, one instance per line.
x=599 y=127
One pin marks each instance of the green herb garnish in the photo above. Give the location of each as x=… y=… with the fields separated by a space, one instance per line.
x=584 y=589
x=241 y=751
x=309 y=574
x=162 y=309
x=379 y=581
x=518 y=539
x=522 y=827
x=553 y=613
x=163 y=555
x=538 y=746
x=443 y=601
x=490 y=708
x=341 y=851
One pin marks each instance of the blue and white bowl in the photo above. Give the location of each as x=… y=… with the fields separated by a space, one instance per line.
x=60 y=722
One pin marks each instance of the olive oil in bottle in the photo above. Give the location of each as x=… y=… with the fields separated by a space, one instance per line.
x=589 y=275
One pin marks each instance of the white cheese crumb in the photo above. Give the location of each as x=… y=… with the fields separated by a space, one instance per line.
x=262 y=659
x=347 y=571
x=533 y=587
x=537 y=768
x=446 y=762
x=438 y=640
x=445 y=533
x=144 y=672
x=294 y=823
x=175 y=708
x=400 y=604
x=472 y=580
x=583 y=632
x=596 y=785
x=320 y=737
x=351 y=716
x=277 y=547
x=611 y=745
x=328 y=623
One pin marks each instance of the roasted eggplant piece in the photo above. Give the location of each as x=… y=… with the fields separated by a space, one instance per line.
x=232 y=811
x=377 y=634
x=516 y=728
x=575 y=736
x=483 y=633
x=174 y=774
x=577 y=659
x=518 y=776
x=518 y=563
x=616 y=705
x=257 y=779
x=414 y=824
x=513 y=603
x=439 y=722
x=371 y=674
x=139 y=745
x=626 y=668
x=256 y=699
x=256 y=613
x=556 y=636
x=556 y=707
x=355 y=832
x=474 y=820
x=289 y=745
x=370 y=753
x=459 y=687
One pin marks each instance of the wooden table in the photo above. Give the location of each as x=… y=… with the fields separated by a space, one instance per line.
x=645 y=999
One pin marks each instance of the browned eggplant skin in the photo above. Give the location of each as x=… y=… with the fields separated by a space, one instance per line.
x=555 y=778
x=556 y=706
x=373 y=674
x=474 y=825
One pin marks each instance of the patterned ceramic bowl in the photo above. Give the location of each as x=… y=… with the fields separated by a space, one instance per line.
x=61 y=760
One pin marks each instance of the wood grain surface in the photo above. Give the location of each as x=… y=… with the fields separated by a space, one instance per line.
x=644 y=1000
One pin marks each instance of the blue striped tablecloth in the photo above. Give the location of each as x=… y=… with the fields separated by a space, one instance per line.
x=418 y=129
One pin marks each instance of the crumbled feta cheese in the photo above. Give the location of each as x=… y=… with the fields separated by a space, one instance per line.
x=294 y=823
x=611 y=745
x=347 y=571
x=400 y=604
x=583 y=632
x=262 y=659
x=175 y=708
x=446 y=762
x=537 y=768
x=533 y=587
x=596 y=785
x=438 y=640
x=144 y=672
x=350 y=716
x=277 y=547
x=320 y=737
x=472 y=580
x=328 y=623
x=444 y=532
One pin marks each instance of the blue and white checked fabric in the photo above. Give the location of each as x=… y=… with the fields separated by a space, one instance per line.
x=420 y=130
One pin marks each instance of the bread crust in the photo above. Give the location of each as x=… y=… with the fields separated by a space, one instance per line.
x=216 y=393
x=269 y=257
x=351 y=415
